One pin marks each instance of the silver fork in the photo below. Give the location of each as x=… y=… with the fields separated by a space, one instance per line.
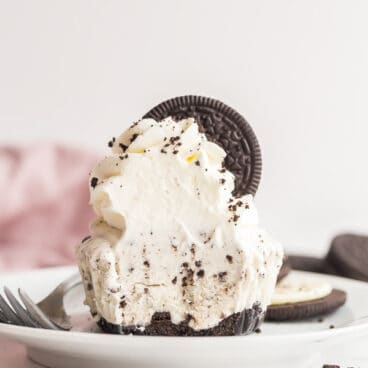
x=48 y=313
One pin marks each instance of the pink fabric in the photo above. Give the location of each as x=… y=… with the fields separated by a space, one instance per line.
x=44 y=209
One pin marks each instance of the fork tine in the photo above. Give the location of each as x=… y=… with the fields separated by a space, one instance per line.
x=2 y=317
x=21 y=312
x=35 y=311
x=9 y=314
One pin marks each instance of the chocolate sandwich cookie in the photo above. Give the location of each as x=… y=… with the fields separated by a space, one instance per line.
x=285 y=268
x=308 y=309
x=299 y=297
x=310 y=264
x=224 y=126
x=348 y=254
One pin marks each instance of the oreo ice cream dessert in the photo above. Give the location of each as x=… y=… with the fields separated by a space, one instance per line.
x=176 y=248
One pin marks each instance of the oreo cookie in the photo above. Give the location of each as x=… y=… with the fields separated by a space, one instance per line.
x=285 y=268
x=224 y=126
x=307 y=309
x=348 y=255
x=310 y=264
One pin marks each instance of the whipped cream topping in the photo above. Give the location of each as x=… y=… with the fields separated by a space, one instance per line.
x=169 y=235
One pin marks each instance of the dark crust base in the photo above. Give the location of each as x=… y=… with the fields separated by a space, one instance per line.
x=308 y=309
x=237 y=324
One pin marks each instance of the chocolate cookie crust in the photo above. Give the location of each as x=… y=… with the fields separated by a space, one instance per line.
x=224 y=126
x=238 y=323
x=308 y=309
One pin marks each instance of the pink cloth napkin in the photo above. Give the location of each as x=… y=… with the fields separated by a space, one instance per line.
x=44 y=209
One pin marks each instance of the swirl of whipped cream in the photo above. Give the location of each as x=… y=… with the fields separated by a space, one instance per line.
x=169 y=235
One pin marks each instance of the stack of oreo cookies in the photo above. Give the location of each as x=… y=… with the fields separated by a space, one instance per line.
x=347 y=257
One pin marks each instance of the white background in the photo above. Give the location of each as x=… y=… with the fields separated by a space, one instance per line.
x=81 y=71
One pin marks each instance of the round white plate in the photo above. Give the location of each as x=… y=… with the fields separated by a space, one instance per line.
x=298 y=342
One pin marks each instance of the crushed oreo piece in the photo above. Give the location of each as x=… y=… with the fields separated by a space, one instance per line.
x=133 y=137
x=198 y=263
x=146 y=263
x=200 y=273
x=111 y=143
x=123 y=304
x=123 y=147
x=229 y=258
x=94 y=182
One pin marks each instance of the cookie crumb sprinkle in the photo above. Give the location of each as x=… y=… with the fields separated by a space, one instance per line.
x=123 y=304
x=123 y=147
x=133 y=137
x=200 y=273
x=229 y=258
x=111 y=143
x=94 y=182
x=198 y=263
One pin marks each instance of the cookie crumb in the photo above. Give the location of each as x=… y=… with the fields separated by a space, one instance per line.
x=111 y=143
x=123 y=304
x=123 y=147
x=222 y=275
x=134 y=137
x=229 y=258
x=146 y=263
x=198 y=263
x=94 y=182
x=200 y=273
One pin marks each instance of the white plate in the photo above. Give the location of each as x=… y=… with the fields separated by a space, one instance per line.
x=299 y=342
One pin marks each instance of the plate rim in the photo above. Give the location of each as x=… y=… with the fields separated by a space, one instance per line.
x=12 y=331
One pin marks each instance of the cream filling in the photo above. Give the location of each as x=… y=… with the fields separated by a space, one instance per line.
x=295 y=289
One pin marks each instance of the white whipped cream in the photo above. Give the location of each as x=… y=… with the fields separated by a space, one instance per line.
x=295 y=288
x=169 y=235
